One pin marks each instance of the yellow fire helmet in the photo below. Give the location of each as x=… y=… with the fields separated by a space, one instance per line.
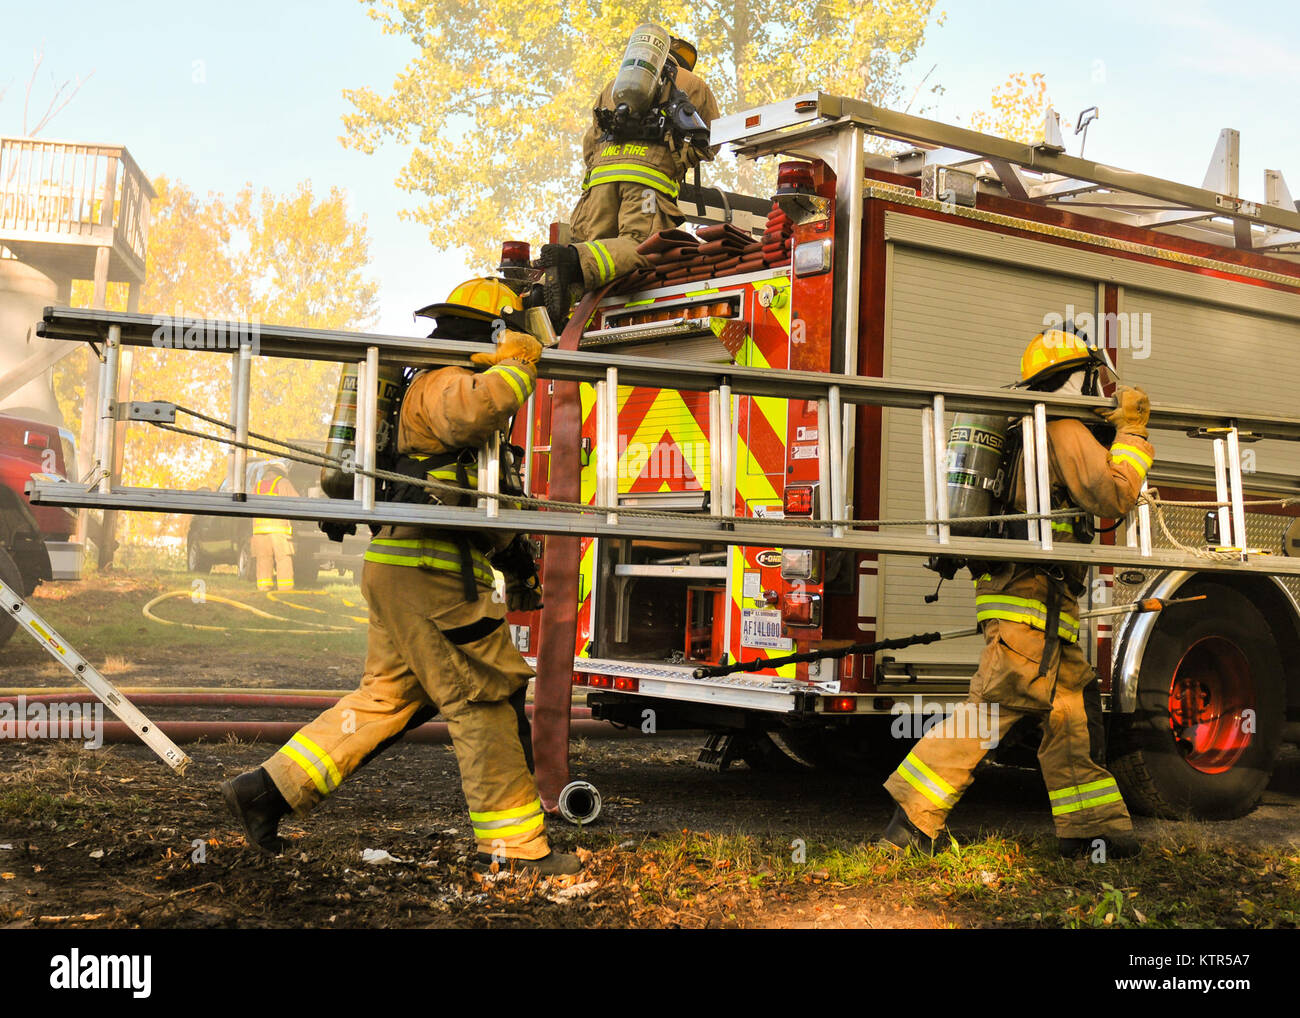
x=683 y=52
x=484 y=299
x=1054 y=352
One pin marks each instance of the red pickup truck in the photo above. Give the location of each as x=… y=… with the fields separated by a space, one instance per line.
x=30 y=447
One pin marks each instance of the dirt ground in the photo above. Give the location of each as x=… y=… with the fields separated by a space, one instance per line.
x=112 y=838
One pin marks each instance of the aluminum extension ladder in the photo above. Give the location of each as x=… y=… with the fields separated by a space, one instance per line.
x=1229 y=492
x=89 y=676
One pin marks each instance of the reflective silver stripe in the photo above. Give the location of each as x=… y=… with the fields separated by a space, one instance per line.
x=436 y=556
x=495 y=825
x=1081 y=797
x=638 y=175
x=929 y=784
x=1030 y=613
x=326 y=768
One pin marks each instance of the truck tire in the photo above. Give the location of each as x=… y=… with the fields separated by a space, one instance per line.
x=245 y=566
x=1210 y=709
x=195 y=560
x=865 y=747
x=13 y=578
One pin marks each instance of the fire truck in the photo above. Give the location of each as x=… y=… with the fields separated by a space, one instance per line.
x=742 y=451
x=937 y=261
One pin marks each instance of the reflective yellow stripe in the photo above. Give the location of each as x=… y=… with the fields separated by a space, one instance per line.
x=604 y=262
x=507 y=814
x=632 y=173
x=927 y=772
x=431 y=554
x=519 y=380
x=1131 y=460
x=317 y=778
x=1141 y=456
x=1076 y=797
x=916 y=783
x=321 y=755
x=506 y=832
x=1086 y=804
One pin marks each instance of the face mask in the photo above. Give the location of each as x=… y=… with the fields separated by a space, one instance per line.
x=1073 y=385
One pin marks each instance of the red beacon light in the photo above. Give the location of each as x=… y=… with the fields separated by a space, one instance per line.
x=515 y=254
x=795 y=178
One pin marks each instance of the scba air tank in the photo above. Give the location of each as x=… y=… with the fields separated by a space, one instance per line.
x=977 y=474
x=342 y=440
x=637 y=83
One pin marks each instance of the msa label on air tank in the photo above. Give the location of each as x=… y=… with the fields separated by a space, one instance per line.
x=760 y=628
x=976 y=436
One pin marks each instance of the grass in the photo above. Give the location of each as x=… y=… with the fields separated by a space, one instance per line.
x=102 y=617
x=992 y=881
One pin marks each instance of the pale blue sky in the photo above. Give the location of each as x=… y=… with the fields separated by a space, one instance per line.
x=1166 y=76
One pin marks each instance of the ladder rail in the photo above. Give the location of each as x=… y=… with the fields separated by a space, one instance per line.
x=89 y=676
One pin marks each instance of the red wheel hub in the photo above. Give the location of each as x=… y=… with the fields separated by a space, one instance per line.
x=1212 y=705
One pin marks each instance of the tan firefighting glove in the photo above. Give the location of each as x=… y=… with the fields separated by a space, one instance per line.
x=1132 y=412
x=511 y=346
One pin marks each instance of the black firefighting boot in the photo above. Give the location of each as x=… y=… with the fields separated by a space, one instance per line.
x=553 y=864
x=258 y=805
x=1100 y=847
x=902 y=834
x=563 y=273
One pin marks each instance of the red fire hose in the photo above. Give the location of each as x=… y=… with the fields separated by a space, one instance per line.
x=561 y=561
x=267 y=731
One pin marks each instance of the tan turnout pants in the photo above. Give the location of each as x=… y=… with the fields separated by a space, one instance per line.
x=429 y=650
x=1083 y=795
x=273 y=554
x=608 y=223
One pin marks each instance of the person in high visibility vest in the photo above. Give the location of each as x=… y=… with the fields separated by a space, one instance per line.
x=272 y=543
x=629 y=193
x=1032 y=664
x=438 y=641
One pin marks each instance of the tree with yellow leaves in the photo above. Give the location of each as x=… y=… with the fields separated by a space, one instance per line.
x=495 y=101
x=1016 y=109
x=295 y=259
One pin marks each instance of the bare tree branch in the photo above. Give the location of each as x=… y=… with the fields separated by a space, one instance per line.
x=54 y=107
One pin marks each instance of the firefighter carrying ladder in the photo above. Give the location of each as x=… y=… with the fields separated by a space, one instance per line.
x=833 y=394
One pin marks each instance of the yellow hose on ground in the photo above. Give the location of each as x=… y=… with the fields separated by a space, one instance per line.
x=277 y=597
x=318 y=627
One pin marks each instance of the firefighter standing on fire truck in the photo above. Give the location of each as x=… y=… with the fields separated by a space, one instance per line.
x=629 y=192
x=1032 y=664
x=272 y=542
x=430 y=648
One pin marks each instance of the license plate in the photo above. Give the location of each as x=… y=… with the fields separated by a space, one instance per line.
x=520 y=636
x=761 y=628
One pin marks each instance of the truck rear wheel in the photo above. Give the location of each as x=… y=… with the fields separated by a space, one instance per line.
x=867 y=746
x=1210 y=703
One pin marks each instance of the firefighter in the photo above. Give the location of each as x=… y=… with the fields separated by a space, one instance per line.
x=629 y=192
x=272 y=543
x=437 y=641
x=1032 y=665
